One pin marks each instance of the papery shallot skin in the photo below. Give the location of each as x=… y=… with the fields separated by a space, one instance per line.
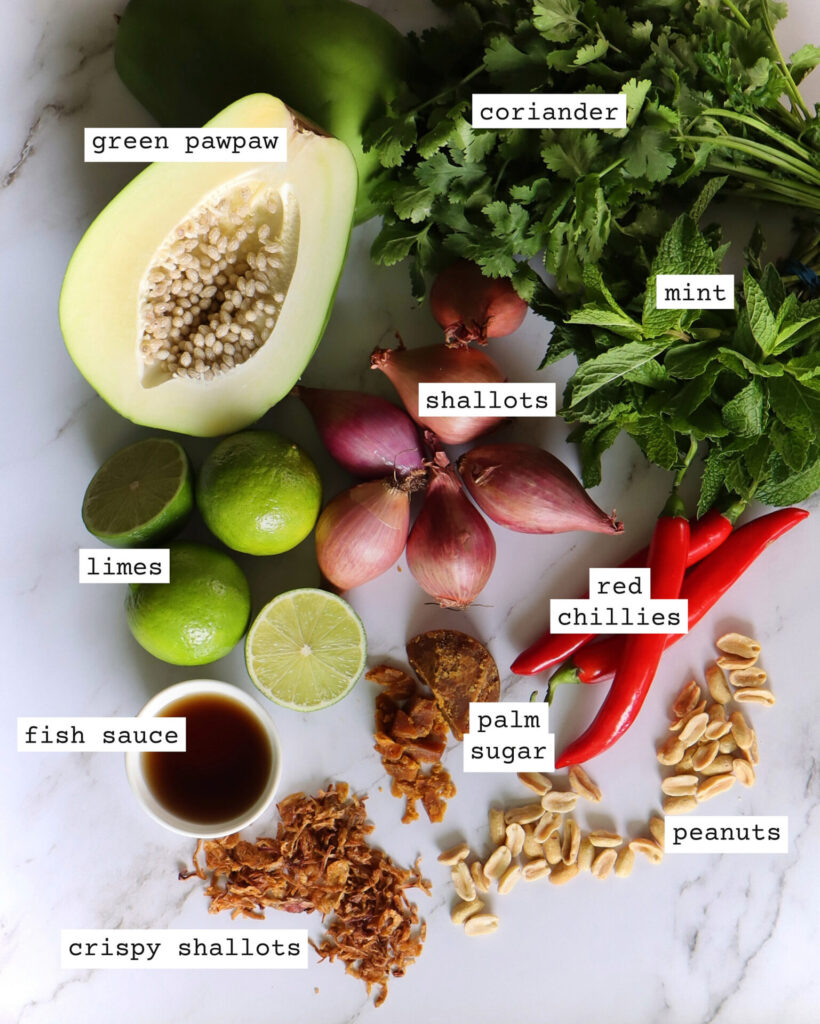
x=367 y=435
x=471 y=307
x=451 y=549
x=437 y=364
x=529 y=490
x=361 y=533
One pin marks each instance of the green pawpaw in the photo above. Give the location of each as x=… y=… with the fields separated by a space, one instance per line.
x=333 y=61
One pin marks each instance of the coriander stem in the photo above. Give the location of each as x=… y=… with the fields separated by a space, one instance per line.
x=758 y=151
x=760 y=126
x=794 y=93
x=740 y=17
x=447 y=91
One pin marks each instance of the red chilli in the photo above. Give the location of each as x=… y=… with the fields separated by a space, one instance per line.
x=707 y=534
x=703 y=587
x=641 y=651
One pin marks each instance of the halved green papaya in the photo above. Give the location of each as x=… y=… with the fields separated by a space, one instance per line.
x=334 y=61
x=197 y=297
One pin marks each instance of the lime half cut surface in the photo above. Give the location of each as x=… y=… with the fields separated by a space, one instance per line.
x=306 y=650
x=141 y=495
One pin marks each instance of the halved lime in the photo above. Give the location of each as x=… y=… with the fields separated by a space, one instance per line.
x=306 y=649
x=141 y=495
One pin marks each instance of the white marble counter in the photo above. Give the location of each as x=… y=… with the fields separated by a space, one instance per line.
x=723 y=939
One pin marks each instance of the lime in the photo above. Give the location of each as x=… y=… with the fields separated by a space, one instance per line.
x=259 y=493
x=197 y=617
x=306 y=649
x=142 y=494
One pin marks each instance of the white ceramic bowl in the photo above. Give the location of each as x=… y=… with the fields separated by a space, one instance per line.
x=160 y=813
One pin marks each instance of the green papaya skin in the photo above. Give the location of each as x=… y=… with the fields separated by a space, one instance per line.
x=333 y=61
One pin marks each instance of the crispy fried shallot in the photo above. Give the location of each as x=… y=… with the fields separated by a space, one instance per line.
x=320 y=859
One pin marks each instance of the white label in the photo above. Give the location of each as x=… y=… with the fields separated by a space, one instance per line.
x=726 y=833
x=125 y=565
x=98 y=735
x=183 y=948
x=511 y=736
x=486 y=400
x=695 y=291
x=619 y=602
x=185 y=145
x=549 y=110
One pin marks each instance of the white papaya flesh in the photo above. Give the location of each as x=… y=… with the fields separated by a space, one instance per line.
x=197 y=297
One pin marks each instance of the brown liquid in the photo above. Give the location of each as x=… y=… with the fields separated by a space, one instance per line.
x=225 y=767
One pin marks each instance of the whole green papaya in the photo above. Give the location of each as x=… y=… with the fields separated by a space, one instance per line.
x=334 y=61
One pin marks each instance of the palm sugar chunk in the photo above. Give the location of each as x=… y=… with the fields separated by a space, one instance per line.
x=458 y=669
x=411 y=730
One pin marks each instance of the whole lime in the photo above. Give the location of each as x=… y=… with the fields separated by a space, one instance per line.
x=259 y=493
x=200 y=615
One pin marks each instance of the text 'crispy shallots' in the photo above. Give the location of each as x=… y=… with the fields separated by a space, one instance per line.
x=321 y=860
x=410 y=731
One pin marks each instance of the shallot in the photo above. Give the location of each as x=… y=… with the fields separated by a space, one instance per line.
x=451 y=550
x=362 y=532
x=367 y=435
x=528 y=490
x=436 y=364
x=472 y=307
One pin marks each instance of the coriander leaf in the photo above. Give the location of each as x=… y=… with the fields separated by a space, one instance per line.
x=611 y=366
x=590 y=52
x=807 y=57
x=744 y=415
x=412 y=203
x=648 y=154
x=572 y=155
x=557 y=20
x=392 y=139
x=439 y=175
x=761 y=318
x=636 y=93
x=394 y=243
x=441 y=130
x=502 y=55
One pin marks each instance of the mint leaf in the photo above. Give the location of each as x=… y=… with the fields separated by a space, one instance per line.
x=657 y=440
x=790 y=445
x=793 y=487
x=594 y=441
x=616 y=320
x=689 y=360
x=611 y=366
x=711 y=481
x=761 y=318
x=744 y=414
x=707 y=194
x=788 y=404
